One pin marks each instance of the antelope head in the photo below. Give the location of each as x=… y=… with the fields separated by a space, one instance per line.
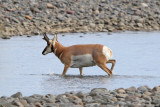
x=50 y=44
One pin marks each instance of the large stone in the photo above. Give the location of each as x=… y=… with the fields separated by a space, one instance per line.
x=144 y=4
x=76 y=100
x=52 y=105
x=64 y=100
x=147 y=98
x=70 y=12
x=24 y=102
x=140 y=25
x=96 y=12
x=28 y=17
x=61 y=17
x=142 y=89
x=50 y=6
x=17 y=95
x=5 y=37
x=17 y=103
x=67 y=105
x=38 y=104
x=156 y=88
x=131 y=98
x=93 y=105
x=156 y=100
x=98 y=91
x=31 y=100
x=131 y=89
x=121 y=90
x=121 y=95
x=81 y=95
x=87 y=99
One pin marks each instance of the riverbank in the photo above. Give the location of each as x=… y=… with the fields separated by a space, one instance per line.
x=98 y=97
x=32 y=17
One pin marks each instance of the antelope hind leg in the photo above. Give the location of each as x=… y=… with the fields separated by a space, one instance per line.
x=113 y=61
x=104 y=67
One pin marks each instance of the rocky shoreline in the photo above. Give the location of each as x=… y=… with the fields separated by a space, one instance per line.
x=32 y=17
x=142 y=96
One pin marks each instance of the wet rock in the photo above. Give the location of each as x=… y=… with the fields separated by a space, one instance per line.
x=131 y=98
x=121 y=90
x=156 y=88
x=17 y=103
x=50 y=98
x=142 y=89
x=17 y=95
x=64 y=100
x=37 y=104
x=147 y=98
x=8 y=105
x=76 y=100
x=131 y=89
x=24 y=102
x=87 y=99
x=156 y=100
x=31 y=100
x=98 y=91
x=81 y=95
x=5 y=37
x=147 y=93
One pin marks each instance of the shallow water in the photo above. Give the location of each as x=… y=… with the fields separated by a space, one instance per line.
x=23 y=68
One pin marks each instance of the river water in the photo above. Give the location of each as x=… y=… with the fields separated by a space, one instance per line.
x=23 y=67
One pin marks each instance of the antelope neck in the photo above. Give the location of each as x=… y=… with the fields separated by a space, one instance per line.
x=58 y=49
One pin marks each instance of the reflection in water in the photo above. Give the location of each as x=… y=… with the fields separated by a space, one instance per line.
x=23 y=67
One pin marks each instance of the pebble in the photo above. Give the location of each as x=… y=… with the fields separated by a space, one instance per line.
x=143 y=96
x=35 y=17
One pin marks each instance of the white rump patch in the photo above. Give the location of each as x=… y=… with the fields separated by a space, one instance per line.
x=85 y=60
x=107 y=52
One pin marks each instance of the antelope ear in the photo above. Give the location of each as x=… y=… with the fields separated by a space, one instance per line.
x=55 y=37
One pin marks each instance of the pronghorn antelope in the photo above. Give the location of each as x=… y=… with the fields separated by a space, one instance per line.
x=79 y=56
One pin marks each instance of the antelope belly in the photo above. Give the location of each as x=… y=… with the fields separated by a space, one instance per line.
x=82 y=61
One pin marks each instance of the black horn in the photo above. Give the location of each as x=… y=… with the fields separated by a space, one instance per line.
x=45 y=37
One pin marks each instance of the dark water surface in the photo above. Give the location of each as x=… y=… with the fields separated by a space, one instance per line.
x=23 y=68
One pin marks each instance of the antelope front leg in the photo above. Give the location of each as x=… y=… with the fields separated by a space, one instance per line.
x=65 y=69
x=80 y=69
